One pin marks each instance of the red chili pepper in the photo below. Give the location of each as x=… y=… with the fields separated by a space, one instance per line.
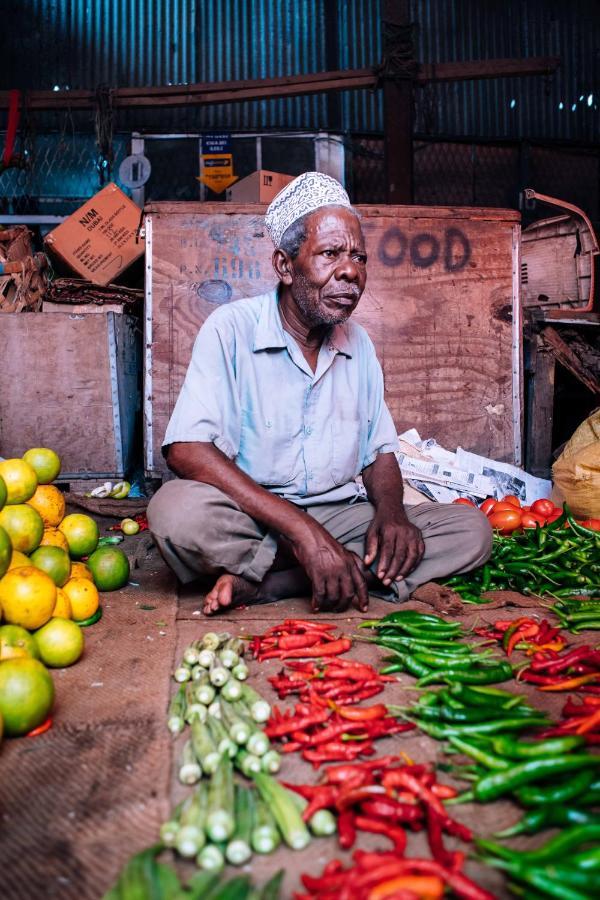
x=331 y=649
x=361 y=713
x=295 y=723
x=376 y=826
x=585 y=653
x=327 y=884
x=591 y=723
x=346 y=829
x=333 y=731
x=436 y=841
x=527 y=629
x=335 y=751
x=388 y=808
x=295 y=641
x=41 y=729
x=324 y=798
x=571 y=683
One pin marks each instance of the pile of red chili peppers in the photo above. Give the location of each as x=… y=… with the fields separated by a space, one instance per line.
x=578 y=718
x=340 y=680
x=380 y=797
x=298 y=639
x=524 y=634
x=324 y=736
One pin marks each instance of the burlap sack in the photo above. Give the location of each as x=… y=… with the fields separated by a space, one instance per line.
x=576 y=472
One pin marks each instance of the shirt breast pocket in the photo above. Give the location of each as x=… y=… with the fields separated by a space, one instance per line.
x=346 y=441
x=267 y=451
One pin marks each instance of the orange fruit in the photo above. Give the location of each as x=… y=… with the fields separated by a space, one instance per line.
x=44 y=462
x=20 y=480
x=54 y=562
x=26 y=695
x=80 y=570
x=83 y=596
x=50 y=503
x=60 y=643
x=52 y=537
x=27 y=597
x=62 y=607
x=110 y=568
x=3 y=492
x=18 y=560
x=81 y=532
x=24 y=526
x=16 y=642
x=6 y=551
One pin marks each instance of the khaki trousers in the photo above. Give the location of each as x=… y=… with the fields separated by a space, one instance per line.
x=201 y=532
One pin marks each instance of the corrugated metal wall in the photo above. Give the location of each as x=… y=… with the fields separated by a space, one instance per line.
x=82 y=43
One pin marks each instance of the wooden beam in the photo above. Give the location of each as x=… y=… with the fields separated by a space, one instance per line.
x=397 y=105
x=575 y=354
x=211 y=93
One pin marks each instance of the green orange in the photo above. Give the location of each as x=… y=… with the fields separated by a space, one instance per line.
x=20 y=480
x=44 y=462
x=6 y=551
x=17 y=642
x=26 y=695
x=60 y=643
x=110 y=568
x=54 y=562
x=81 y=532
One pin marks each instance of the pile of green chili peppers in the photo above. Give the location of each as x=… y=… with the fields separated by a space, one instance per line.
x=552 y=560
x=427 y=647
x=578 y=614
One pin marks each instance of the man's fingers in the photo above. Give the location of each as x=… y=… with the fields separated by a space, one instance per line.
x=371 y=545
x=360 y=598
x=411 y=559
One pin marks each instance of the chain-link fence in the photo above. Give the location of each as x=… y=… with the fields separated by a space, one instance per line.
x=55 y=172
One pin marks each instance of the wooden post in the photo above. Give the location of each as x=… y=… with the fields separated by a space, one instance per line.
x=540 y=408
x=397 y=105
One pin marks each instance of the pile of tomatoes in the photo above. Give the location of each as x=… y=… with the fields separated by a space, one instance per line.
x=507 y=515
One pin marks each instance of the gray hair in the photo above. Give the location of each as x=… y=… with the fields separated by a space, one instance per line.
x=295 y=235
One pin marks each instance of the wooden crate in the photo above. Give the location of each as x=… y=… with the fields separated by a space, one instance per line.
x=70 y=382
x=441 y=305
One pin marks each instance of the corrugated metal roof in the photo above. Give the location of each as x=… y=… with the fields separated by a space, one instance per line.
x=82 y=43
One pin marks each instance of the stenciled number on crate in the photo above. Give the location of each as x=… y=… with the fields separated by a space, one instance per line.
x=236 y=267
x=452 y=249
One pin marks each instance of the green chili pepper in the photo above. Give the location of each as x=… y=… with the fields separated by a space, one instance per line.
x=91 y=620
x=500 y=783
x=506 y=746
x=540 y=795
x=546 y=817
x=479 y=755
x=554 y=849
x=540 y=879
x=442 y=732
x=502 y=671
x=484 y=695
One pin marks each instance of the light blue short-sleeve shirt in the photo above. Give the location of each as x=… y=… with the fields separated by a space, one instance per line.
x=301 y=434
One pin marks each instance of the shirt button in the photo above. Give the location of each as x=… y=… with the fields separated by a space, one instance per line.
x=308 y=430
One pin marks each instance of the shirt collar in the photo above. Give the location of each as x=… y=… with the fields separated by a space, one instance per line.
x=269 y=332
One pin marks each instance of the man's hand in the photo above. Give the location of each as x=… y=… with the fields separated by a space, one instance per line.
x=398 y=543
x=336 y=574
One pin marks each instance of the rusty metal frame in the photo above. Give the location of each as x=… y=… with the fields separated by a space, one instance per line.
x=530 y=194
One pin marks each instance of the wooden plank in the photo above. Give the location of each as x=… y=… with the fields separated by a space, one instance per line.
x=56 y=389
x=470 y=213
x=397 y=106
x=471 y=70
x=438 y=306
x=540 y=410
x=575 y=354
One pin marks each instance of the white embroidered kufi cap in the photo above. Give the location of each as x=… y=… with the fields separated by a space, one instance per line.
x=305 y=194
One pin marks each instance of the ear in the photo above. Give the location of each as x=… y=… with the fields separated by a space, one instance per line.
x=283 y=266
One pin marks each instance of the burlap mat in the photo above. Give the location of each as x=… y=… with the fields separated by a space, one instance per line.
x=77 y=801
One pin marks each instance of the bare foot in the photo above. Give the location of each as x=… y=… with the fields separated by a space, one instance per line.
x=229 y=589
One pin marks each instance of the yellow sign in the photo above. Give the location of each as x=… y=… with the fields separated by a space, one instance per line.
x=218 y=171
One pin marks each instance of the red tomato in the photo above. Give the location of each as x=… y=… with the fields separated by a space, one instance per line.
x=501 y=506
x=592 y=524
x=514 y=501
x=487 y=505
x=505 y=521
x=530 y=520
x=543 y=508
x=464 y=501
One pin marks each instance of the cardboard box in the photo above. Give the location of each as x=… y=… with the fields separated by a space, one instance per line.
x=100 y=240
x=260 y=187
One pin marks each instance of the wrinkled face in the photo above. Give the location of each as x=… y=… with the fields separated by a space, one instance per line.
x=330 y=272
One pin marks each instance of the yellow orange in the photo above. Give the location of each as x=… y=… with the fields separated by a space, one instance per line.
x=62 y=607
x=20 y=480
x=84 y=597
x=50 y=503
x=18 y=560
x=24 y=526
x=27 y=597
x=81 y=570
x=81 y=532
x=54 y=538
